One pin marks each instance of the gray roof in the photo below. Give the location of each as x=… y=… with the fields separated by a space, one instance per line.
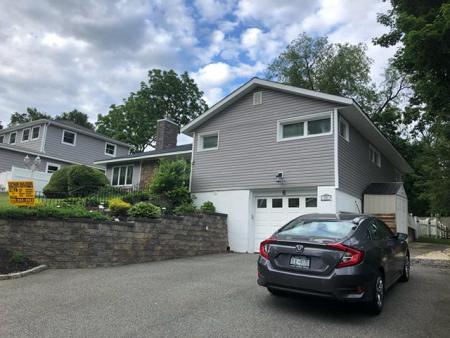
x=383 y=188
x=65 y=124
x=185 y=148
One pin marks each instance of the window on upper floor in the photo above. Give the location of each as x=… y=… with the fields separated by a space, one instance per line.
x=12 y=138
x=69 y=137
x=35 y=132
x=25 y=135
x=110 y=149
x=122 y=175
x=208 y=141
x=257 y=98
x=2 y=138
x=305 y=126
x=374 y=156
x=344 y=129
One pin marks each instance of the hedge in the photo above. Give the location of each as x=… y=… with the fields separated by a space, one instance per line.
x=12 y=212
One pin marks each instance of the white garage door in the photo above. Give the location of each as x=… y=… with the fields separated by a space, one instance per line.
x=271 y=213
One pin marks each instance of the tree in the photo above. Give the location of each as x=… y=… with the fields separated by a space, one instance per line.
x=164 y=94
x=422 y=30
x=32 y=114
x=76 y=117
x=316 y=64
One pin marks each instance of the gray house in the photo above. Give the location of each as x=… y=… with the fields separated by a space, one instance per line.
x=270 y=152
x=55 y=144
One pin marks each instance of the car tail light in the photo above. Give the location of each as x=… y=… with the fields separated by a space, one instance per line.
x=351 y=256
x=264 y=247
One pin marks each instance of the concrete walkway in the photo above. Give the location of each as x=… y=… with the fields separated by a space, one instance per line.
x=430 y=254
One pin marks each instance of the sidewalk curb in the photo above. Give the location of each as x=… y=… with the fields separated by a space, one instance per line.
x=21 y=274
x=435 y=263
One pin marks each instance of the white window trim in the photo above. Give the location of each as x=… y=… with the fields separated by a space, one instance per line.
x=29 y=135
x=15 y=137
x=347 y=134
x=52 y=164
x=39 y=133
x=305 y=120
x=74 y=139
x=115 y=149
x=126 y=174
x=372 y=148
x=209 y=133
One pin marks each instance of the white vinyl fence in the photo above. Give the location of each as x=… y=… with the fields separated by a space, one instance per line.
x=429 y=227
x=40 y=178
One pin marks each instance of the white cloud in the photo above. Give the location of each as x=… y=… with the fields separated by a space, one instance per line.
x=214 y=9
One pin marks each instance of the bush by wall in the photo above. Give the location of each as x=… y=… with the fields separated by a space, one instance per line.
x=118 y=207
x=144 y=209
x=44 y=211
x=208 y=206
x=185 y=208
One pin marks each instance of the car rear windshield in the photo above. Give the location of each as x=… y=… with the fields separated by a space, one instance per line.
x=317 y=229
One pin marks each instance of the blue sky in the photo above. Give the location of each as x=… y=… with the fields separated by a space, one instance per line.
x=61 y=55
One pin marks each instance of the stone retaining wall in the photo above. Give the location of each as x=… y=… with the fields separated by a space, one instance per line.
x=89 y=243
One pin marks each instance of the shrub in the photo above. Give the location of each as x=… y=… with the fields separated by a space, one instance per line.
x=144 y=209
x=17 y=257
x=185 y=208
x=12 y=212
x=118 y=207
x=136 y=197
x=170 y=184
x=208 y=206
x=57 y=187
x=84 y=180
x=75 y=180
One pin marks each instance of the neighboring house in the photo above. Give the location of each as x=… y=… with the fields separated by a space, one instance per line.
x=270 y=152
x=56 y=143
x=136 y=170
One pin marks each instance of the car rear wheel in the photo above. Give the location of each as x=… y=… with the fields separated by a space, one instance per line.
x=406 y=270
x=376 y=304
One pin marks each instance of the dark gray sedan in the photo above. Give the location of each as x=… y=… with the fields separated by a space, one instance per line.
x=344 y=256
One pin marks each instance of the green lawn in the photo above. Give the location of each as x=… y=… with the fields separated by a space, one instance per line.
x=4 y=199
x=434 y=240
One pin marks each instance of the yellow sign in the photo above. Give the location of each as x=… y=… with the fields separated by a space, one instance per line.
x=21 y=193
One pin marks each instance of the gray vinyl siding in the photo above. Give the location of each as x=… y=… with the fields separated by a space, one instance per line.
x=356 y=171
x=9 y=158
x=87 y=149
x=249 y=155
x=136 y=171
x=30 y=144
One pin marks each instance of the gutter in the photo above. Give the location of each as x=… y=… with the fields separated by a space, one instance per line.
x=131 y=159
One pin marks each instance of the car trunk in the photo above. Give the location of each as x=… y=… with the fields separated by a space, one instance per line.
x=303 y=256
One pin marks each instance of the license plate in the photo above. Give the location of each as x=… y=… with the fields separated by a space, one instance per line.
x=300 y=262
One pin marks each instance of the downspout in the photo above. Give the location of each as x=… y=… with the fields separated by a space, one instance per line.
x=44 y=137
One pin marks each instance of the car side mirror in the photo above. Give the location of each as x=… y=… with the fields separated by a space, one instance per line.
x=401 y=236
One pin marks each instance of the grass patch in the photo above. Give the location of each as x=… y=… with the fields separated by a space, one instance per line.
x=12 y=212
x=4 y=199
x=433 y=240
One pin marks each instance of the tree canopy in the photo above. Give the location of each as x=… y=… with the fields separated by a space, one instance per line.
x=164 y=94
x=76 y=117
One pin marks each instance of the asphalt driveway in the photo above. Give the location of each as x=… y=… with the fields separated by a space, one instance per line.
x=209 y=296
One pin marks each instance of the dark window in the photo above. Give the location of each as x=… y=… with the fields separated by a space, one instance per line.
x=384 y=229
x=129 y=175
x=311 y=202
x=277 y=202
x=294 y=202
x=378 y=230
x=25 y=135
x=115 y=178
x=261 y=203
x=209 y=141
x=68 y=137
x=52 y=168
x=319 y=126
x=2 y=138
x=122 y=175
x=35 y=133
x=110 y=149
x=293 y=129
x=12 y=138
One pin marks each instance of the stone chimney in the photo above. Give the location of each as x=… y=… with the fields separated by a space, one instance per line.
x=166 y=133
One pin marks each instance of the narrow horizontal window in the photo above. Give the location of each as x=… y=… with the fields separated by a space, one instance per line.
x=321 y=126
x=52 y=167
x=293 y=129
x=68 y=137
x=311 y=202
x=25 y=135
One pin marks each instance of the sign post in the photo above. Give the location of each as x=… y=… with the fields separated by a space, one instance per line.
x=22 y=193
